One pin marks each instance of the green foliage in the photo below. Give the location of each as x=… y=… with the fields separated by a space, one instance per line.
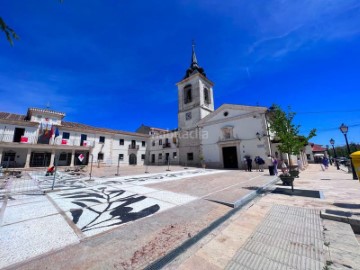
x=281 y=124
x=341 y=151
x=9 y=32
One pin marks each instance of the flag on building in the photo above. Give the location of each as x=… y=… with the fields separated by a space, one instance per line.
x=46 y=130
x=57 y=133
x=51 y=132
x=81 y=157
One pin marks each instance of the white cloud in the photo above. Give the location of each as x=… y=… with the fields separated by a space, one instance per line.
x=286 y=26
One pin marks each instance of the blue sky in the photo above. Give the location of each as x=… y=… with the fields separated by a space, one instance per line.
x=114 y=63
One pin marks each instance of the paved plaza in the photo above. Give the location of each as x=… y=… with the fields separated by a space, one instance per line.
x=134 y=220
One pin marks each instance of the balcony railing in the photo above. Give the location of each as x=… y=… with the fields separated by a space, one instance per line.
x=166 y=145
x=133 y=147
x=73 y=142
x=9 y=138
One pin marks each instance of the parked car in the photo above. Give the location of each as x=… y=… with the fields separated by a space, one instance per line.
x=343 y=160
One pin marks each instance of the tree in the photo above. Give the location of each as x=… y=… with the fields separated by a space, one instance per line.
x=9 y=32
x=341 y=151
x=286 y=132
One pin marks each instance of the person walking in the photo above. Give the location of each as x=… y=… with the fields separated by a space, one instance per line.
x=325 y=162
x=259 y=162
x=245 y=163
x=275 y=164
x=249 y=163
x=284 y=168
x=300 y=164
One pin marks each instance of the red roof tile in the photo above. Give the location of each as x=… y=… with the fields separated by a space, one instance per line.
x=22 y=118
x=12 y=116
x=84 y=127
x=318 y=148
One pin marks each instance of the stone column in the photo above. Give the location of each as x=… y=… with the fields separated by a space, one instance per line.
x=52 y=159
x=72 y=158
x=28 y=157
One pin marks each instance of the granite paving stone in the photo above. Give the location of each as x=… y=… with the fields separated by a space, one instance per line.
x=172 y=197
x=283 y=240
x=27 y=211
x=18 y=241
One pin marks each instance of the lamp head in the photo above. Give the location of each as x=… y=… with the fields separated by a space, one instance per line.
x=332 y=141
x=344 y=129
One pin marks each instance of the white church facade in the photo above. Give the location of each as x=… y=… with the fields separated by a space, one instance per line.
x=219 y=138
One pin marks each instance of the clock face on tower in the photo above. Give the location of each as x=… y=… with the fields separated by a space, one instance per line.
x=188 y=116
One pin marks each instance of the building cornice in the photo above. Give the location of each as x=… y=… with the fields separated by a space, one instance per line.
x=19 y=123
x=193 y=76
x=61 y=114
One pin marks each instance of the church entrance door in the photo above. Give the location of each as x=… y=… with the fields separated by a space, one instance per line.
x=230 y=157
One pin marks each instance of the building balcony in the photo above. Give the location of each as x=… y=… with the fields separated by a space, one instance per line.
x=10 y=139
x=166 y=145
x=133 y=147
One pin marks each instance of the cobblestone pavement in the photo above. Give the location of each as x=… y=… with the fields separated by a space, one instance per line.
x=288 y=238
x=275 y=231
x=143 y=215
x=256 y=230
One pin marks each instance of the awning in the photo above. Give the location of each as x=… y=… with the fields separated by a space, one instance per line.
x=319 y=155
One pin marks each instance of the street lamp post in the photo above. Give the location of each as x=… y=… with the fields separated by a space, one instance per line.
x=344 y=129
x=55 y=170
x=168 y=168
x=332 y=142
x=118 y=167
x=147 y=163
x=91 y=164
x=328 y=152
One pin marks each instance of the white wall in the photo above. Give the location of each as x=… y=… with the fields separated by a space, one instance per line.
x=7 y=132
x=157 y=149
x=244 y=138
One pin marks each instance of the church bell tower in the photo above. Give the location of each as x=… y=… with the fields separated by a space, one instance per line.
x=195 y=95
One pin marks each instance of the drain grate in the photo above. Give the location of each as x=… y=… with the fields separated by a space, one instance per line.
x=299 y=192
